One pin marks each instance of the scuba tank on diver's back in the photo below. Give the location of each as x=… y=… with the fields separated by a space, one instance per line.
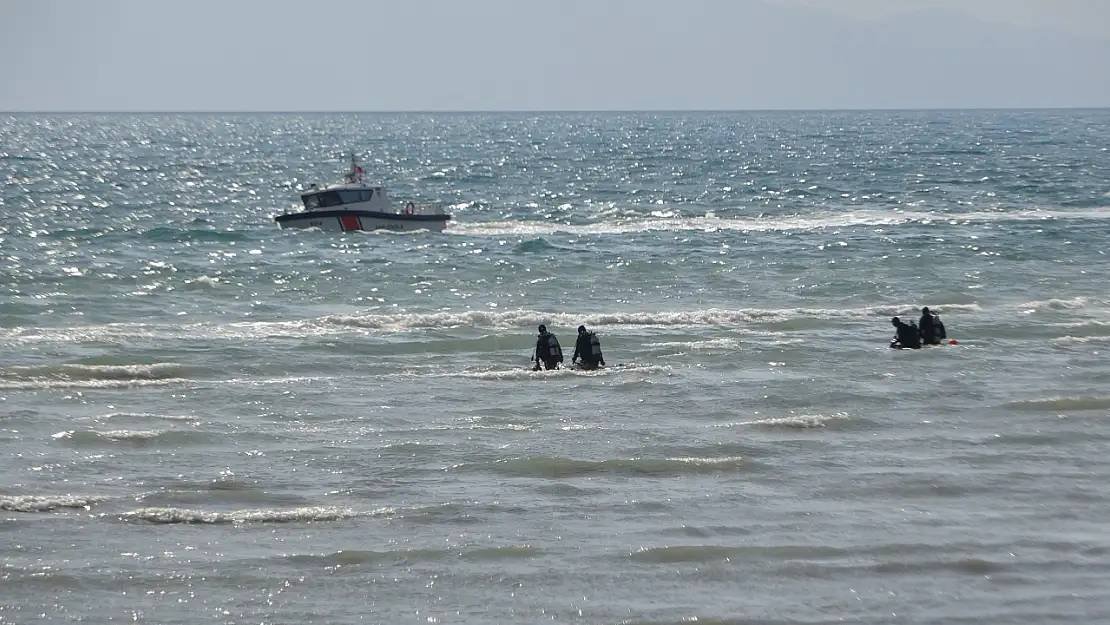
x=555 y=351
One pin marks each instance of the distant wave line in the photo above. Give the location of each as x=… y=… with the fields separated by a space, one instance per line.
x=496 y=320
x=710 y=222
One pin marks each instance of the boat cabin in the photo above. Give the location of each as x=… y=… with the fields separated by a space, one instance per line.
x=348 y=197
x=331 y=198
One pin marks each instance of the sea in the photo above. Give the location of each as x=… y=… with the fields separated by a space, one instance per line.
x=207 y=419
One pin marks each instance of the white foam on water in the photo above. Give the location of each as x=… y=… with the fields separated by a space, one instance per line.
x=32 y=377
x=529 y=374
x=143 y=416
x=698 y=345
x=79 y=372
x=328 y=325
x=293 y=515
x=793 y=421
x=129 y=435
x=1072 y=303
x=47 y=503
x=710 y=222
x=46 y=384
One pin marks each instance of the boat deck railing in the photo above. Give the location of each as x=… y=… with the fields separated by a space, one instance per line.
x=421 y=208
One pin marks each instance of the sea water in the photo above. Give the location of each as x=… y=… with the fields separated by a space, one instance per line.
x=204 y=418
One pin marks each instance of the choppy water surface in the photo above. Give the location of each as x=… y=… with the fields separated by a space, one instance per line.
x=205 y=418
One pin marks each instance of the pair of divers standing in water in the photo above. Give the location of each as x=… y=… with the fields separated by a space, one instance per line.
x=929 y=331
x=587 y=348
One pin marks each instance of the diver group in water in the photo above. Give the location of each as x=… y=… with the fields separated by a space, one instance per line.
x=587 y=350
x=548 y=353
x=929 y=330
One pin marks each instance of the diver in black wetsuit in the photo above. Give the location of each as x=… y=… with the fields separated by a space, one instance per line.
x=906 y=336
x=932 y=328
x=588 y=348
x=548 y=351
x=928 y=327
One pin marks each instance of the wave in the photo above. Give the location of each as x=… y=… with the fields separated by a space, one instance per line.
x=223 y=491
x=532 y=318
x=194 y=235
x=535 y=246
x=1080 y=340
x=529 y=374
x=829 y=558
x=400 y=322
x=504 y=427
x=143 y=416
x=710 y=222
x=36 y=385
x=155 y=371
x=133 y=436
x=24 y=377
x=708 y=620
x=975 y=566
x=47 y=503
x=309 y=514
x=709 y=553
x=1055 y=404
x=792 y=421
x=1060 y=438
x=411 y=449
x=1073 y=303
x=357 y=557
x=205 y=282
x=726 y=344
x=559 y=468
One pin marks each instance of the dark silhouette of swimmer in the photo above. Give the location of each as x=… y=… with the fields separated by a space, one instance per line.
x=906 y=336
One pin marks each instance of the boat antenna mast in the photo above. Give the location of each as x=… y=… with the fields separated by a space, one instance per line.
x=355 y=174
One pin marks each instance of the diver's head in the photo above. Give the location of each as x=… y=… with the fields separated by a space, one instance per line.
x=925 y=310
x=581 y=329
x=543 y=329
x=895 y=321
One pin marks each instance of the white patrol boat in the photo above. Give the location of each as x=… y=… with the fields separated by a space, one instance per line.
x=355 y=205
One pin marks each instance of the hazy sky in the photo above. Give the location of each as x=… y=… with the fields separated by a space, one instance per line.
x=1085 y=17
x=370 y=55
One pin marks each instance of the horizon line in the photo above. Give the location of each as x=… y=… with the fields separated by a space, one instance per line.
x=545 y=111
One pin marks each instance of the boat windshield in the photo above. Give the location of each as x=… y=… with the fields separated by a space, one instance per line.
x=325 y=199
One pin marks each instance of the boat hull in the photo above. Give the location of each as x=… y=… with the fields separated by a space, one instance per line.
x=355 y=220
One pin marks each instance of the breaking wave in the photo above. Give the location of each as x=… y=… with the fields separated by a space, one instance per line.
x=47 y=503
x=792 y=421
x=90 y=376
x=556 y=468
x=706 y=317
x=1056 y=404
x=1073 y=303
x=294 y=515
x=399 y=322
x=134 y=436
x=727 y=344
x=144 y=416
